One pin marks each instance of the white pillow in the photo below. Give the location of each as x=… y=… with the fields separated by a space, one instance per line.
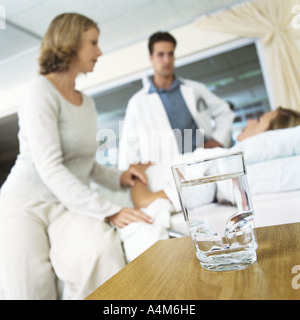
x=269 y=145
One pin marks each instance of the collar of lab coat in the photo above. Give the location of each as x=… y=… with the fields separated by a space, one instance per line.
x=175 y=84
x=147 y=86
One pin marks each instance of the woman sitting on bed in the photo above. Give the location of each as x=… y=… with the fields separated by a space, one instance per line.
x=281 y=118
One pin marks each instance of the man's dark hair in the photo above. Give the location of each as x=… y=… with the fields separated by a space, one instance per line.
x=160 y=36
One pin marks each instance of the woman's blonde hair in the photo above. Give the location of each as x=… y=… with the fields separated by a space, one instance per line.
x=62 y=40
x=285 y=118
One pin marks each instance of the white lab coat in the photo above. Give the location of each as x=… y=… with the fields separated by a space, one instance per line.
x=146 y=131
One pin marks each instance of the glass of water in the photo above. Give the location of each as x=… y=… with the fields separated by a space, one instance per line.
x=217 y=208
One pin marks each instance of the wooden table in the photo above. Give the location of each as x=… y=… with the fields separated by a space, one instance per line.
x=169 y=270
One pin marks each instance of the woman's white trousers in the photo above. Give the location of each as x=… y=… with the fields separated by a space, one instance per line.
x=42 y=242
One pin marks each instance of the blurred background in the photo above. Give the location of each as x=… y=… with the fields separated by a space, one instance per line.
x=231 y=66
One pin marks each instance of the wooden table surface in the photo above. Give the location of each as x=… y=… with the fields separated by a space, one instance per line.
x=169 y=270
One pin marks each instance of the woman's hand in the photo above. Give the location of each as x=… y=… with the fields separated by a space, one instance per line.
x=128 y=215
x=128 y=178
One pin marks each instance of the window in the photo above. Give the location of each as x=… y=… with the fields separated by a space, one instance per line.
x=236 y=77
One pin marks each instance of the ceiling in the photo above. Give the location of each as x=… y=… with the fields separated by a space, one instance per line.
x=122 y=22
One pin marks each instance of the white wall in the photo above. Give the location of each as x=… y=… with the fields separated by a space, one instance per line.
x=135 y=58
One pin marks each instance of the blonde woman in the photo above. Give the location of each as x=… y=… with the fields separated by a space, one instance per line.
x=52 y=225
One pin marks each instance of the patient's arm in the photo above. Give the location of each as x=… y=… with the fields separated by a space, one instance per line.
x=142 y=196
x=212 y=143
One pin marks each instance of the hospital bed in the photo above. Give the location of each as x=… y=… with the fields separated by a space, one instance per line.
x=272 y=162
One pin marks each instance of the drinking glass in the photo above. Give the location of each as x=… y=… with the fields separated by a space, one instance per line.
x=217 y=208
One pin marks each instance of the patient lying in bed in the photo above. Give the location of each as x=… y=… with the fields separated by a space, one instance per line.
x=271 y=147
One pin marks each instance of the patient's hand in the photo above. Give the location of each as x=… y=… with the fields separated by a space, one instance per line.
x=212 y=144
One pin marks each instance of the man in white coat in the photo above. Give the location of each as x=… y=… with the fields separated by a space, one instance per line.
x=171 y=114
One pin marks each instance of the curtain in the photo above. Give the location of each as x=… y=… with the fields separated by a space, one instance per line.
x=275 y=23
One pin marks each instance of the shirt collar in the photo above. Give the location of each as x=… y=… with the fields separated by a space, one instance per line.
x=176 y=83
